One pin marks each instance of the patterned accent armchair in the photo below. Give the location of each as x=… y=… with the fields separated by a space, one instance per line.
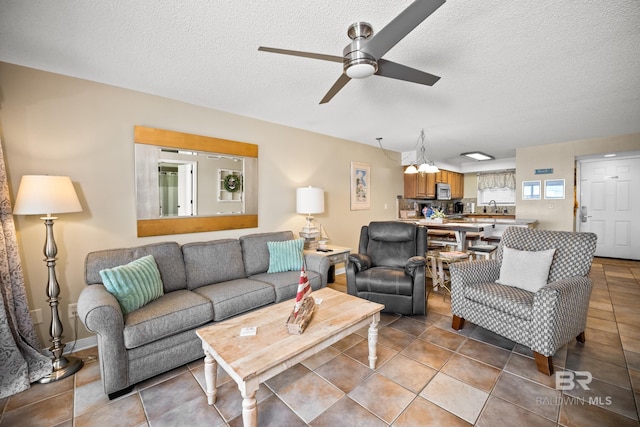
x=543 y=321
x=389 y=267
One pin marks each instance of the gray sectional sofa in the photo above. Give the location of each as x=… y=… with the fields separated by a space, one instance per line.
x=203 y=282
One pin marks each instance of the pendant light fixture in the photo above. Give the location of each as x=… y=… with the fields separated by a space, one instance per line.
x=425 y=165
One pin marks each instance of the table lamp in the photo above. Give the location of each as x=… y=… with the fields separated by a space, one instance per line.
x=46 y=195
x=309 y=201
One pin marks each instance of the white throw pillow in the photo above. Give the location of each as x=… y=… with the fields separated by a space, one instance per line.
x=525 y=269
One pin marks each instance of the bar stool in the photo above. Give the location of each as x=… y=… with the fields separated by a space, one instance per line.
x=484 y=251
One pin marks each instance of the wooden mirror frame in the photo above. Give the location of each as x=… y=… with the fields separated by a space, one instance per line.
x=194 y=224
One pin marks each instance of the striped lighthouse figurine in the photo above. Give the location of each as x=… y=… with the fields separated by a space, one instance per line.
x=304 y=306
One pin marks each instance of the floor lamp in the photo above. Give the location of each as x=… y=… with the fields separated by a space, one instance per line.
x=46 y=195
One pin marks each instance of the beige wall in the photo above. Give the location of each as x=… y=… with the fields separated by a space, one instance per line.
x=65 y=126
x=558 y=214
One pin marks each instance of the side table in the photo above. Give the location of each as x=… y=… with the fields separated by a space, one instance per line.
x=335 y=255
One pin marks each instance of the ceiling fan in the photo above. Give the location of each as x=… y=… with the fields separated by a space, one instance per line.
x=363 y=56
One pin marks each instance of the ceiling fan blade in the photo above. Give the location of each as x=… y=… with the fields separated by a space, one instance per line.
x=400 y=26
x=402 y=72
x=339 y=84
x=321 y=56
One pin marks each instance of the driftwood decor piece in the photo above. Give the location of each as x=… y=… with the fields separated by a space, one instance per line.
x=296 y=324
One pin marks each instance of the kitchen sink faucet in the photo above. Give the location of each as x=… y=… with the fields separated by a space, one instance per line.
x=495 y=206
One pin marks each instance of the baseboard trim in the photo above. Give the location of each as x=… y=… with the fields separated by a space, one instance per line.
x=77 y=345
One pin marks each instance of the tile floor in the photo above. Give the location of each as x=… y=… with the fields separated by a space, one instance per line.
x=427 y=374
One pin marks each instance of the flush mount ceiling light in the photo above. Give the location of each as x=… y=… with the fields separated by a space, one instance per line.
x=477 y=155
x=425 y=165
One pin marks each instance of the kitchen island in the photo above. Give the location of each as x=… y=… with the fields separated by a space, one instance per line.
x=461 y=225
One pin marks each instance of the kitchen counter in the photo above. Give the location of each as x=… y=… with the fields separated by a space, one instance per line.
x=496 y=219
x=459 y=228
x=461 y=224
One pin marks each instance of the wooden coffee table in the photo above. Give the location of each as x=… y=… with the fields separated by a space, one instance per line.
x=251 y=360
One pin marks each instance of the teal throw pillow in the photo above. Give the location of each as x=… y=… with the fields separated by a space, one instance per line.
x=285 y=255
x=135 y=284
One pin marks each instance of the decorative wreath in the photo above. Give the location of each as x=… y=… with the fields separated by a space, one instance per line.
x=232 y=183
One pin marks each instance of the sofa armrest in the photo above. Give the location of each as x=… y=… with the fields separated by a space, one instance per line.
x=469 y=273
x=356 y=264
x=559 y=313
x=318 y=263
x=360 y=262
x=413 y=263
x=101 y=314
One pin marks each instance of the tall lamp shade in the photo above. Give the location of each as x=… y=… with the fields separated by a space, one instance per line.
x=46 y=195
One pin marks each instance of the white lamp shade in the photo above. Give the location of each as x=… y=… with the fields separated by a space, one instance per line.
x=46 y=194
x=309 y=200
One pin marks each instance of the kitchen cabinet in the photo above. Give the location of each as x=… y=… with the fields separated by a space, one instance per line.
x=410 y=185
x=423 y=185
x=430 y=185
x=456 y=180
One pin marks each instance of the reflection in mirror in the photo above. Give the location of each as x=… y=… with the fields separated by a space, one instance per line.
x=176 y=182
x=183 y=187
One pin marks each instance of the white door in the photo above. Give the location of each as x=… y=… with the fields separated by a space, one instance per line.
x=609 y=205
x=185 y=189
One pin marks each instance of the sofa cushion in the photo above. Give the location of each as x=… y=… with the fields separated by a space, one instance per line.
x=237 y=296
x=167 y=255
x=528 y=270
x=255 y=251
x=285 y=256
x=134 y=284
x=212 y=262
x=286 y=283
x=170 y=314
x=506 y=299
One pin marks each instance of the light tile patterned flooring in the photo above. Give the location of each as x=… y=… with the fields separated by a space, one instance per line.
x=427 y=374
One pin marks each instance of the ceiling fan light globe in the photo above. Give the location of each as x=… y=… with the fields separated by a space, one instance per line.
x=361 y=70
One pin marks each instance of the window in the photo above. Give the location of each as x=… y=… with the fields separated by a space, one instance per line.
x=498 y=186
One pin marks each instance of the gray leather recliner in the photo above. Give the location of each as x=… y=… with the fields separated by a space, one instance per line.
x=389 y=267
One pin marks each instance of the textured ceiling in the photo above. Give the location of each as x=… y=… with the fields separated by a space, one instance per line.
x=514 y=73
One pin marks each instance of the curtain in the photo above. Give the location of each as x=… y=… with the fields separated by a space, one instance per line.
x=21 y=363
x=506 y=179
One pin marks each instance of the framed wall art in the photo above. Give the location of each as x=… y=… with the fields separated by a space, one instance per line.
x=554 y=188
x=531 y=190
x=360 y=186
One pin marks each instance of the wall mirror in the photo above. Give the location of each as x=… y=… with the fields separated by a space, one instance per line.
x=190 y=183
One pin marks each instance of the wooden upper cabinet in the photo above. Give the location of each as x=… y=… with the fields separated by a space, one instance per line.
x=423 y=185
x=430 y=187
x=410 y=185
x=456 y=180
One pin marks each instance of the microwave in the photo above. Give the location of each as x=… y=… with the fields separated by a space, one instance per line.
x=443 y=191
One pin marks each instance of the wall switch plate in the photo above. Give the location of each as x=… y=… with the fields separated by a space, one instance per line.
x=73 y=310
x=36 y=316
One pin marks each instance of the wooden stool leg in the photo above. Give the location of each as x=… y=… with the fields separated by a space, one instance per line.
x=544 y=363
x=580 y=337
x=457 y=323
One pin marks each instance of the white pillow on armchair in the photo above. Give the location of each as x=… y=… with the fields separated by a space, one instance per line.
x=528 y=270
